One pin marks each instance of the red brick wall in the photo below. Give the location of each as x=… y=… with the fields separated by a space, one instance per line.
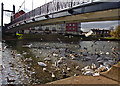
x=71 y=27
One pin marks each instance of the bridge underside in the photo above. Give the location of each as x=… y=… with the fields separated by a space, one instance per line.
x=107 y=15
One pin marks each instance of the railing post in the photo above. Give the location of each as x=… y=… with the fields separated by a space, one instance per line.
x=13 y=11
x=2 y=7
x=91 y=1
x=2 y=10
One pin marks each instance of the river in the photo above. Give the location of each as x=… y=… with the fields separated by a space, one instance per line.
x=40 y=62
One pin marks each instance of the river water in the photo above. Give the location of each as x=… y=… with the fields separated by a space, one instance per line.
x=20 y=59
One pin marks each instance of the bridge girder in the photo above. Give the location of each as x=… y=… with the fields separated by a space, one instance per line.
x=107 y=15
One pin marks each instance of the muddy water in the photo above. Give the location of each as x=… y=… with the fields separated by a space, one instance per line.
x=62 y=60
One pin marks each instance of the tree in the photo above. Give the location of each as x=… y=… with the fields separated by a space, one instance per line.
x=116 y=32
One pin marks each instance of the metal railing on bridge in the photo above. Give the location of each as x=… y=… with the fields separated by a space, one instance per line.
x=52 y=7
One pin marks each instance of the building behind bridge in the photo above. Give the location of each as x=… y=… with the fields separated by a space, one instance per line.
x=63 y=28
x=98 y=33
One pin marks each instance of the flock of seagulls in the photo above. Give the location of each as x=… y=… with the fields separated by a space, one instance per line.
x=103 y=60
x=12 y=68
x=97 y=62
x=93 y=70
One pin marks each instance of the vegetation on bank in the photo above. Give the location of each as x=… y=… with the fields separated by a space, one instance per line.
x=111 y=38
x=53 y=37
x=116 y=33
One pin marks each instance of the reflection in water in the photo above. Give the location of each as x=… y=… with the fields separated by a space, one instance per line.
x=0 y=62
x=42 y=62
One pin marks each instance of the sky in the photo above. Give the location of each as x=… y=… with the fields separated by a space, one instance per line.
x=8 y=5
x=101 y=24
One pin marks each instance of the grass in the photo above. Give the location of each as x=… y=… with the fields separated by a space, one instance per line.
x=112 y=38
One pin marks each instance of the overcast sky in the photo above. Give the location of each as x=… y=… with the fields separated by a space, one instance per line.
x=102 y=24
x=8 y=5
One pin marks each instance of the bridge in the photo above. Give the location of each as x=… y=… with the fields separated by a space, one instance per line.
x=57 y=12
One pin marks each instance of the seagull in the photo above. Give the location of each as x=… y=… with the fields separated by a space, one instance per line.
x=92 y=45
x=8 y=80
x=63 y=58
x=5 y=47
x=47 y=59
x=93 y=66
x=64 y=73
x=56 y=64
x=76 y=74
x=85 y=48
x=55 y=55
x=88 y=72
x=102 y=68
x=29 y=46
x=44 y=69
x=53 y=75
x=99 y=59
x=59 y=61
x=77 y=67
x=68 y=69
x=85 y=68
x=2 y=67
x=42 y=64
x=96 y=74
x=72 y=56
x=107 y=53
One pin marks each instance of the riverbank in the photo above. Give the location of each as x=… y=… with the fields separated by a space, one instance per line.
x=67 y=37
x=59 y=37
x=53 y=37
